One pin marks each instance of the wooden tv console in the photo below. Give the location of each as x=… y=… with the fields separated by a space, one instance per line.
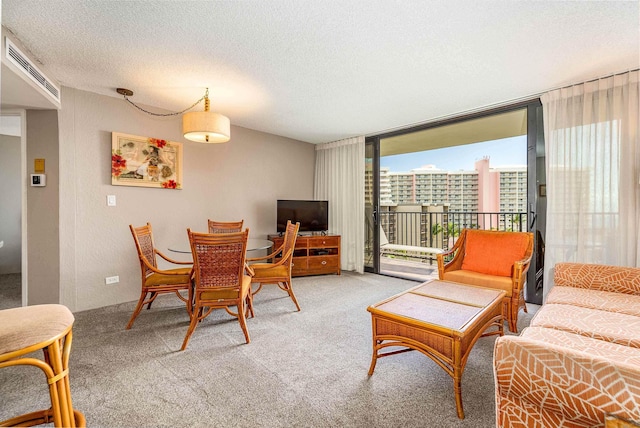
x=313 y=254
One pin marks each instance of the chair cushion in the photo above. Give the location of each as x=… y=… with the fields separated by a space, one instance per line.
x=161 y=279
x=481 y=279
x=228 y=292
x=30 y=325
x=493 y=253
x=267 y=270
x=603 y=300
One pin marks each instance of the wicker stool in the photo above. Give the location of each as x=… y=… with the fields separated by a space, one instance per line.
x=46 y=327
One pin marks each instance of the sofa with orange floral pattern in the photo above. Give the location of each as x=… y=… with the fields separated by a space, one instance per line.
x=579 y=359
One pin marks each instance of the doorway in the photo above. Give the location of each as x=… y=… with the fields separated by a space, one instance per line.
x=12 y=149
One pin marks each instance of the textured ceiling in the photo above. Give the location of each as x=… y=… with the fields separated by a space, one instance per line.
x=323 y=70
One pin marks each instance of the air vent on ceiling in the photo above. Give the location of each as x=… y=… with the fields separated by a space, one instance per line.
x=22 y=62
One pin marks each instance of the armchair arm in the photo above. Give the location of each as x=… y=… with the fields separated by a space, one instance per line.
x=519 y=275
x=456 y=262
x=172 y=260
x=285 y=259
x=249 y=270
x=160 y=271
x=448 y=252
x=268 y=256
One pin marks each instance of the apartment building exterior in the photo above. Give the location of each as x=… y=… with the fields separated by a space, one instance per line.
x=484 y=189
x=429 y=200
x=424 y=206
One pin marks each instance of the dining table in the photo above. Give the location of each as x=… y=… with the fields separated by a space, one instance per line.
x=253 y=244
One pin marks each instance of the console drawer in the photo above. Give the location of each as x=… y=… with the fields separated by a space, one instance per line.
x=323 y=262
x=324 y=241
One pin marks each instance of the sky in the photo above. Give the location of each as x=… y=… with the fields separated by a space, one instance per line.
x=507 y=151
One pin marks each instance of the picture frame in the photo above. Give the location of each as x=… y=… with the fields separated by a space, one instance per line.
x=145 y=162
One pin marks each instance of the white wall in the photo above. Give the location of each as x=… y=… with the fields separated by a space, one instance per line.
x=10 y=205
x=241 y=179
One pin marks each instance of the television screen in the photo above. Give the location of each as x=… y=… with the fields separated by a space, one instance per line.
x=312 y=215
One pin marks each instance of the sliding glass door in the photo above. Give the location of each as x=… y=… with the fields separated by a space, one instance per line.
x=425 y=184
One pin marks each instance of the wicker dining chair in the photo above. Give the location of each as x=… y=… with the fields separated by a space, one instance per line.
x=222 y=279
x=156 y=281
x=279 y=272
x=225 y=226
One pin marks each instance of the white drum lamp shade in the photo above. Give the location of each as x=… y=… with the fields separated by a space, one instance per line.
x=206 y=127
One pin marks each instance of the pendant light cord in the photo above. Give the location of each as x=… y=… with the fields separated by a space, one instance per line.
x=206 y=95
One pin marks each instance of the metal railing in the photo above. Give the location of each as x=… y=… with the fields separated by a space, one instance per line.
x=441 y=229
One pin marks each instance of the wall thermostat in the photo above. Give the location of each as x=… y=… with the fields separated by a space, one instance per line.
x=38 y=180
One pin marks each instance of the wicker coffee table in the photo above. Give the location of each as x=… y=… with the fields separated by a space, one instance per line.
x=441 y=319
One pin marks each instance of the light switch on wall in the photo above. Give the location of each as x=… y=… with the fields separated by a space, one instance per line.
x=111 y=200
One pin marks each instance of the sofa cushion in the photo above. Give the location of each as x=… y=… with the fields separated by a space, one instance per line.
x=595 y=299
x=493 y=253
x=595 y=347
x=598 y=277
x=613 y=327
x=540 y=384
x=481 y=279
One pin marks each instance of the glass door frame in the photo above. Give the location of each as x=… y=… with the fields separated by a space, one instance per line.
x=372 y=146
x=534 y=133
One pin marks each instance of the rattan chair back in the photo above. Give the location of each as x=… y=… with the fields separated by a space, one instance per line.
x=225 y=226
x=143 y=238
x=219 y=276
x=289 y=243
x=218 y=259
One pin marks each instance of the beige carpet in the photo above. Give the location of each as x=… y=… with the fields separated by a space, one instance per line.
x=301 y=369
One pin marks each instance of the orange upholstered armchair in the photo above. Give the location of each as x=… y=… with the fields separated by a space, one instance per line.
x=491 y=259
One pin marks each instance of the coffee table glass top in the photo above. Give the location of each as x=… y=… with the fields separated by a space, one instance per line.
x=449 y=315
x=460 y=293
x=445 y=304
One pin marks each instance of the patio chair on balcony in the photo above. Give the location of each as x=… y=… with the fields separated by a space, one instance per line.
x=406 y=250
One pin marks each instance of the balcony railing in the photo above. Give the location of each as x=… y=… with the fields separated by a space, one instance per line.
x=441 y=229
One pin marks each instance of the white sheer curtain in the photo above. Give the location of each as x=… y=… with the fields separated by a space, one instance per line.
x=340 y=180
x=593 y=173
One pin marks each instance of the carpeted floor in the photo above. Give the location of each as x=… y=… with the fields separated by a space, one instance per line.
x=10 y=290
x=302 y=369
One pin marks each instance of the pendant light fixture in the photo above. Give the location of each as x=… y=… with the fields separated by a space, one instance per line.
x=206 y=126
x=200 y=126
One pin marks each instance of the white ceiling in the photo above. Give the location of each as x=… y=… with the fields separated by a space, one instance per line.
x=323 y=70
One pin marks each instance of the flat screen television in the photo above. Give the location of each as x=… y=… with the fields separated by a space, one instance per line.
x=312 y=215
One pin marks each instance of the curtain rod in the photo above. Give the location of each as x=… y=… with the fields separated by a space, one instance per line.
x=491 y=106
x=593 y=80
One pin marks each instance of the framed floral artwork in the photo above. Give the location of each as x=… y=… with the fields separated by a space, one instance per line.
x=145 y=162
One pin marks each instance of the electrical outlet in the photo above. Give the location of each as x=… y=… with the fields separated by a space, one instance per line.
x=112 y=280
